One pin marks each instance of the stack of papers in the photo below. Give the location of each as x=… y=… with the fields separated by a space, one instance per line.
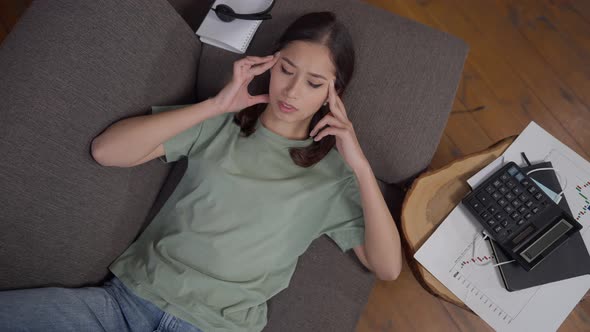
x=450 y=253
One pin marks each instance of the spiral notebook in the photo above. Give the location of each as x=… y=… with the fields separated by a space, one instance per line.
x=234 y=36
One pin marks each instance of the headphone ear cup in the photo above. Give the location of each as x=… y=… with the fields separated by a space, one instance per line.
x=225 y=13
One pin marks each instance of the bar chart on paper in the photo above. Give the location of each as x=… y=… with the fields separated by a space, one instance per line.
x=469 y=272
x=586 y=206
x=576 y=181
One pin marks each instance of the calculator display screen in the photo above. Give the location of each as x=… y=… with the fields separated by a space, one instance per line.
x=546 y=240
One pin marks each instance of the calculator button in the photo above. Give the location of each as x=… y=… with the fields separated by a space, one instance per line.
x=505 y=177
x=503 y=190
x=510 y=184
x=521 y=209
x=486 y=215
x=491 y=222
x=509 y=208
x=519 y=177
x=520 y=222
x=523 y=197
x=512 y=170
x=528 y=216
x=532 y=189
x=517 y=190
x=476 y=205
x=497 y=183
x=515 y=216
x=493 y=209
x=525 y=182
x=502 y=202
x=496 y=195
x=535 y=210
x=498 y=228
x=538 y=196
x=510 y=196
x=516 y=203
x=504 y=223
x=490 y=189
x=528 y=204
x=485 y=199
x=499 y=216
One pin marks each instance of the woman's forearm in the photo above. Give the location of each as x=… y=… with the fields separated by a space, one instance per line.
x=131 y=139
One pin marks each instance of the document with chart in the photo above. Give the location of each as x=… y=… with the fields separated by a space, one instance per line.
x=456 y=252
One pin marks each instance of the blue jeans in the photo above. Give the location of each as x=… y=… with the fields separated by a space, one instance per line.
x=110 y=307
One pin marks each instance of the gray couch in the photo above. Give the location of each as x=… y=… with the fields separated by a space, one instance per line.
x=69 y=69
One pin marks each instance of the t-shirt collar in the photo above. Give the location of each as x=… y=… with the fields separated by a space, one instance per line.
x=280 y=139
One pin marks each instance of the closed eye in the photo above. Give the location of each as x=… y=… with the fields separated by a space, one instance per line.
x=315 y=86
x=285 y=71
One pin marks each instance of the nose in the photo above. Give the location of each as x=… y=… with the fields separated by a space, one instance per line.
x=292 y=89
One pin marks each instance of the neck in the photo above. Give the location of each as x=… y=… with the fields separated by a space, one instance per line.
x=294 y=131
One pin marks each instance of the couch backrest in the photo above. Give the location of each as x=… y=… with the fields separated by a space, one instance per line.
x=405 y=79
x=69 y=69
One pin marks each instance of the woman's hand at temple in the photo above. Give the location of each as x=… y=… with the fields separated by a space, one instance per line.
x=235 y=96
x=337 y=124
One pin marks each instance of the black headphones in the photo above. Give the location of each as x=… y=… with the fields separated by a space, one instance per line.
x=227 y=14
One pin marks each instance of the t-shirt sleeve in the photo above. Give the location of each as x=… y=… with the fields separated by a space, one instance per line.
x=183 y=143
x=347 y=227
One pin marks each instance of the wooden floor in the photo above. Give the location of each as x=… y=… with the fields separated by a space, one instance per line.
x=529 y=61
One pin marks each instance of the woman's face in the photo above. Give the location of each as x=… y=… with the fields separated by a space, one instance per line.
x=300 y=78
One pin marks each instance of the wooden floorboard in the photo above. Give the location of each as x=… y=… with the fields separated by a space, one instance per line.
x=567 y=59
x=537 y=73
x=529 y=60
x=580 y=7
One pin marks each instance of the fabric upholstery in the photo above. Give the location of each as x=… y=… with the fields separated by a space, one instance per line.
x=69 y=70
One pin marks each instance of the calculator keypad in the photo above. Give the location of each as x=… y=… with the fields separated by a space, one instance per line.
x=508 y=202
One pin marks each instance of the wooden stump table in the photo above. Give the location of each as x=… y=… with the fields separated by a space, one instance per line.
x=430 y=199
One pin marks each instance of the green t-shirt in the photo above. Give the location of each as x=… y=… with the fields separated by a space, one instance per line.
x=230 y=235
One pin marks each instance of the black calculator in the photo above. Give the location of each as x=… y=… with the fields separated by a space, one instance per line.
x=519 y=216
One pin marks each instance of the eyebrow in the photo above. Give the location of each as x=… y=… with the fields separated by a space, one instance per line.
x=312 y=74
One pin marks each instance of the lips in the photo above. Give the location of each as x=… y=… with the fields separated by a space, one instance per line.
x=287 y=106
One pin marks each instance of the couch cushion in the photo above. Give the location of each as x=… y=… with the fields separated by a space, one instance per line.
x=405 y=79
x=328 y=292
x=69 y=70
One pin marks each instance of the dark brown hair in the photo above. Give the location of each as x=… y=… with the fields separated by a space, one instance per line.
x=324 y=29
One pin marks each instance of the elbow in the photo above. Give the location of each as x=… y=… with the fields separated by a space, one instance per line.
x=390 y=275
